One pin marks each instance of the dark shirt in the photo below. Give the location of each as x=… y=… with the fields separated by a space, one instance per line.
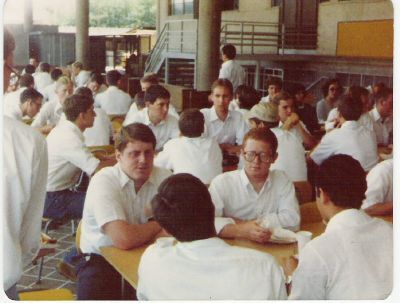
x=308 y=115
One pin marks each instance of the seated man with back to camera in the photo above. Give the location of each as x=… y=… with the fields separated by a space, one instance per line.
x=200 y=266
x=243 y=198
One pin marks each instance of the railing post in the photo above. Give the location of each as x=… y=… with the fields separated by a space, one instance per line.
x=181 y=36
x=241 y=39
x=252 y=39
x=282 y=40
x=166 y=71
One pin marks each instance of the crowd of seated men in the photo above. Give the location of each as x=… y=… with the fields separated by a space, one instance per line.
x=166 y=180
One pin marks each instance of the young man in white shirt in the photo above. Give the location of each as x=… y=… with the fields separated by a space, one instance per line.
x=242 y=197
x=274 y=87
x=12 y=100
x=230 y=69
x=201 y=266
x=155 y=115
x=42 y=77
x=113 y=101
x=49 y=92
x=353 y=258
x=95 y=84
x=117 y=211
x=382 y=116
x=30 y=103
x=80 y=76
x=350 y=139
x=192 y=153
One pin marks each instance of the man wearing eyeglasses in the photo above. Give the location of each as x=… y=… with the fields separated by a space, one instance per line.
x=245 y=197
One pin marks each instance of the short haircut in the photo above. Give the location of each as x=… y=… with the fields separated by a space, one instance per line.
x=63 y=80
x=248 y=97
x=139 y=100
x=343 y=179
x=26 y=80
x=44 y=67
x=30 y=69
x=329 y=82
x=183 y=207
x=281 y=96
x=383 y=94
x=85 y=91
x=112 y=77
x=222 y=83
x=29 y=93
x=96 y=77
x=229 y=51
x=77 y=64
x=156 y=91
x=150 y=78
x=350 y=108
x=134 y=132
x=262 y=134
x=191 y=123
x=274 y=81
x=76 y=104
x=56 y=73
x=240 y=89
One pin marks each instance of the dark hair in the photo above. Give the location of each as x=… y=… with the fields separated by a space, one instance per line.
x=139 y=100
x=84 y=91
x=191 y=123
x=56 y=73
x=274 y=81
x=281 y=96
x=240 y=89
x=112 y=77
x=383 y=94
x=44 y=67
x=30 y=69
x=343 y=179
x=26 y=80
x=223 y=83
x=262 y=134
x=350 y=108
x=248 y=97
x=356 y=91
x=156 y=91
x=76 y=104
x=229 y=51
x=29 y=93
x=96 y=77
x=134 y=132
x=296 y=88
x=150 y=78
x=183 y=207
x=329 y=82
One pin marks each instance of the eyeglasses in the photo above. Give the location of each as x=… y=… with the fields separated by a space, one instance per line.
x=250 y=156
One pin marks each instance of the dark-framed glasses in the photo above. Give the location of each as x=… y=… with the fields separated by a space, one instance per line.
x=251 y=155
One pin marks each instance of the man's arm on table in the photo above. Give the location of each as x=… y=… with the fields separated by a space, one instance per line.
x=249 y=230
x=380 y=209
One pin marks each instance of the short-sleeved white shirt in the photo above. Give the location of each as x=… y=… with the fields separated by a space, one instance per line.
x=234 y=72
x=208 y=269
x=13 y=99
x=231 y=131
x=291 y=155
x=42 y=79
x=111 y=196
x=295 y=132
x=13 y=112
x=380 y=184
x=50 y=113
x=382 y=128
x=134 y=109
x=350 y=139
x=113 y=101
x=100 y=132
x=164 y=131
x=68 y=156
x=351 y=260
x=82 y=78
x=200 y=157
x=234 y=196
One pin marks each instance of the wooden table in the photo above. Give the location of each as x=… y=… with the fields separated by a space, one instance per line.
x=126 y=262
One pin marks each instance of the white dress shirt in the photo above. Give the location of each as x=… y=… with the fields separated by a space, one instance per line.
x=382 y=128
x=111 y=196
x=82 y=78
x=11 y=100
x=49 y=114
x=100 y=132
x=199 y=156
x=234 y=196
x=231 y=131
x=295 y=131
x=350 y=139
x=164 y=131
x=291 y=155
x=68 y=155
x=49 y=92
x=134 y=109
x=42 y=79
x=234 y=72
x=14 y=112
x=265 y=99
x=208 y=269
x=24 y=189
x=364 y=120
x=114 y=101
x=380 y=184
x=351 y=260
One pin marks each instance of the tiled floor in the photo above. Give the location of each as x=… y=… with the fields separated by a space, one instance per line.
x=50 y=277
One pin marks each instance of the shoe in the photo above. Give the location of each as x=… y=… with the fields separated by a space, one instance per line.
x=67 y=270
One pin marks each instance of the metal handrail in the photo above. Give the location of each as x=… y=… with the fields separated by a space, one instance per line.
x=311 y=86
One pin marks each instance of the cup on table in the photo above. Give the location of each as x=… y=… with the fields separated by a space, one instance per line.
x=302 y=237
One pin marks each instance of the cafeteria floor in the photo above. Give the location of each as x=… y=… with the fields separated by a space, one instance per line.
x=50 y=277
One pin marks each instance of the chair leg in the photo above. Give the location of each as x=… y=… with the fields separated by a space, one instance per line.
x=46 y=227
x=73 y=227
x=39 y=279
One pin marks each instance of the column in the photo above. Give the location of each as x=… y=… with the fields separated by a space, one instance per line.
x=28 y=16
x=82 y=32
x=208 y=53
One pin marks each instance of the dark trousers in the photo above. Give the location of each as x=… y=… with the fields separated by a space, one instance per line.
x=98 y=280
x=64 y=204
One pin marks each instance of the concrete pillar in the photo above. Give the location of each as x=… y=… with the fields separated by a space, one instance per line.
x=28 y=16
x=208 y=53
x=82 y=32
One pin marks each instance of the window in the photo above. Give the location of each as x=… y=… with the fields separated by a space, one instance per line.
x=180 y=7
x=230 y=5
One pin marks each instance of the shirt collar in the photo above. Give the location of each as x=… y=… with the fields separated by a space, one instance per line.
x=70 y=125
x=350 y=124
x=147 y=118
x=112 y=87
x=198 y=244
x=214 y=116
x=347 y=218
x=246 y=182
x=124 y=178
x=375 y=114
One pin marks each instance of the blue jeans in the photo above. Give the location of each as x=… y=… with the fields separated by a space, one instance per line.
x=64 y=204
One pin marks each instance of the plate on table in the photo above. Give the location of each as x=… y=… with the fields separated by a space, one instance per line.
x=282 y=236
